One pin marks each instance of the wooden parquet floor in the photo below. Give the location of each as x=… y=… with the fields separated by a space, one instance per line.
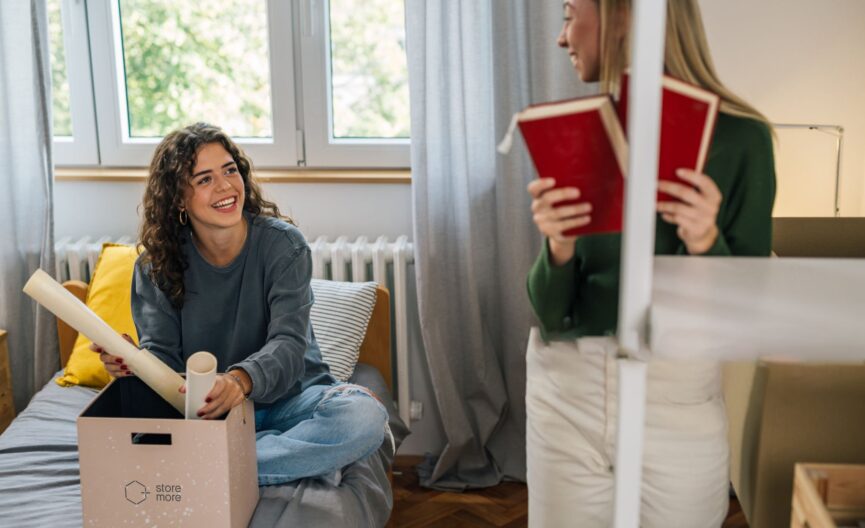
x=505 y=505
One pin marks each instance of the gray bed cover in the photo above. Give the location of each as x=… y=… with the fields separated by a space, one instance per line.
x=39 y=483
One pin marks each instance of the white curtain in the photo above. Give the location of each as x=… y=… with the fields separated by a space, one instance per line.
x=26 y=198
x=472 y=64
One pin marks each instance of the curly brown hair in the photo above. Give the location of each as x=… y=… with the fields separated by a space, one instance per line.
x=161 y=232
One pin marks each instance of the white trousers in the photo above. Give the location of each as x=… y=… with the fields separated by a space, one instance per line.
x=571 y=404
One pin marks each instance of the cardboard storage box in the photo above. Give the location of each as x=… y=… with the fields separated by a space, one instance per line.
x=828 y=495
x=142 y=464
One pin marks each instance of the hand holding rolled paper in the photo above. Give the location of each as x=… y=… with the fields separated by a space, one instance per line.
x=156 y=374
x=200 y=377
x=228 y=392
x=114 y=365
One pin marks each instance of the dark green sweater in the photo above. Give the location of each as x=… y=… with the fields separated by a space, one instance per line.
x=581 y=297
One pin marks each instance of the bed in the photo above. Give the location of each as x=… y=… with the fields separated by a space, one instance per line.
x=39 y=453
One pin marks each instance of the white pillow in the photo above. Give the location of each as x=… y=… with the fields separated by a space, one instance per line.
x=339 y=317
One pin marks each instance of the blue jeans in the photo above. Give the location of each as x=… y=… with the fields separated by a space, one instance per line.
x=317 y=432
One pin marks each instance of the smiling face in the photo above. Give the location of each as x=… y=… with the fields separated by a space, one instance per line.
x=581 y=36
x=215 y=197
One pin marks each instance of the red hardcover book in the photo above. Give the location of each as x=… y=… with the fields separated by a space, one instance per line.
x=580 y=143
x=688 y=116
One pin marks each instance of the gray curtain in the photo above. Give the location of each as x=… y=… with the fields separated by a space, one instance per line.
x=472 y=64
x=26 y=211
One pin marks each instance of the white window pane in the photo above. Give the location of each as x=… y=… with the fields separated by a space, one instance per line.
x=59 y=79
x=196 y=61
x=369 y=76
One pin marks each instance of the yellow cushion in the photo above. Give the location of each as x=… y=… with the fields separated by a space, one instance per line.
x=109 y=296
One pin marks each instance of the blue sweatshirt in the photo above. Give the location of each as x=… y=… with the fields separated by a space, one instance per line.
x=251 y=314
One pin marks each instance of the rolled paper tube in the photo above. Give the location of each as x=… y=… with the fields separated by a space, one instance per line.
x=200 y=375
x=156 y=374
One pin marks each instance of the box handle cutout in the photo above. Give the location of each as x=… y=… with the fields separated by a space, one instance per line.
x=151 y=439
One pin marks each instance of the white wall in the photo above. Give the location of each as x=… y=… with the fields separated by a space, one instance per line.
x=798 y=61
x=109 y=208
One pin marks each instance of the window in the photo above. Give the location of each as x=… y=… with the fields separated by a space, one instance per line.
x=187 y=62
x=155 y=65
x=160 y=65
x=59 y=80
x=74 y=117
x=356 y=83
x=368 y=85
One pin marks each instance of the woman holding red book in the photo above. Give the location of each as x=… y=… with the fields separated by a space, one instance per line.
x=574 y=289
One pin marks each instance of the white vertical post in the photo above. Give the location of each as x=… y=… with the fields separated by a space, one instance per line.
x=638 y=248
x=644 y=112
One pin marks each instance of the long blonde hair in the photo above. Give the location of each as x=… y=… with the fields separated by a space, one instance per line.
x=686 y=53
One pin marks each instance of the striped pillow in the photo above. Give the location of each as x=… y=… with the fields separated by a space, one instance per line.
x=339 y=317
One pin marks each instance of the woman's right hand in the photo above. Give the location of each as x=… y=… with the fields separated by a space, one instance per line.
x=553 y=221
x=113 y=364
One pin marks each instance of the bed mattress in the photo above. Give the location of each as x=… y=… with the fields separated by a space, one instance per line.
x=40 y=484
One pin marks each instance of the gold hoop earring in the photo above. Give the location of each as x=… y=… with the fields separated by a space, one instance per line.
x=183 y=217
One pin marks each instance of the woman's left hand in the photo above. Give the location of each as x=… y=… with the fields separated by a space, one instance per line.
x=697 y=213
x=224 y=396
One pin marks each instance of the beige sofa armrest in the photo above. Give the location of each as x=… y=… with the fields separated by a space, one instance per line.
x=738 y=381
x=795 y=412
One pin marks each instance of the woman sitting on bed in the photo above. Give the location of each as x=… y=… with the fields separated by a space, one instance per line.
x=223 y=271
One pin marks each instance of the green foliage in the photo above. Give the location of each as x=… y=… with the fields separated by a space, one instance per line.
x=369 y=72
x=208 y=61
x=196 y=61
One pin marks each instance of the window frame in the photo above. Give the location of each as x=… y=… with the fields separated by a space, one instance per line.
x=117 y=149
x=300 y=95
x=322 y=150
x=80 y=149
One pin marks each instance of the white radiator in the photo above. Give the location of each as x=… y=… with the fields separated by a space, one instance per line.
x=341 y=260
x=387 y=264
x=76 y=259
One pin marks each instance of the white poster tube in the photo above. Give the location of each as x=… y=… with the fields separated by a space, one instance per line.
x=156 y=374
x=200 y=376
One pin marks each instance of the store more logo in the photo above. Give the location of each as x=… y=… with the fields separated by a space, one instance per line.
x=136 y=492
